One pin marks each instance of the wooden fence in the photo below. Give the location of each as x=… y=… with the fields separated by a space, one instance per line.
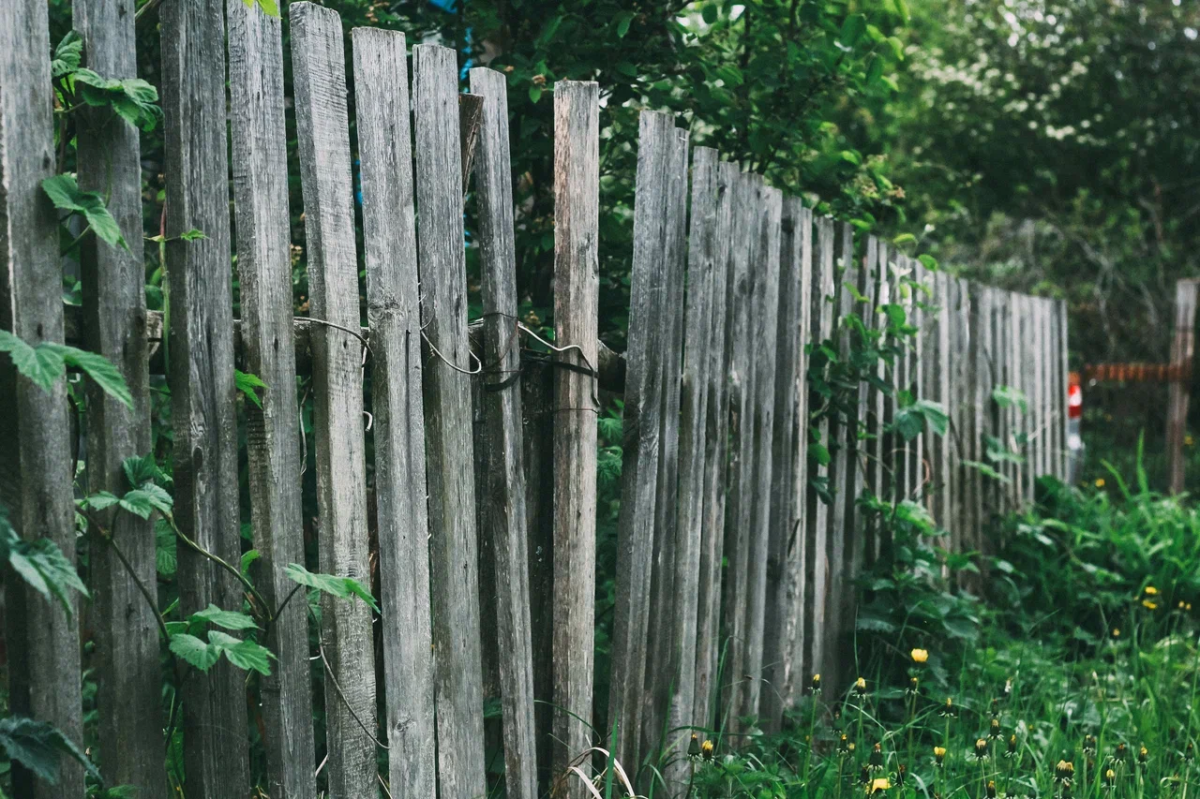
x=735 y=286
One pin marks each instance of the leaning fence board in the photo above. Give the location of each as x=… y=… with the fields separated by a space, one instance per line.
x=1061 y=334
x=916 y=302
x=766 y=317
x=643 y=406
x=741 y=466
x=877 y=474
x=324 y=135
x=393 y=310
x=264 y=265
x=842 y=427
x=449 y=449
x=716 y=443
x=659 y=655
x=36 y=473
x=796 y=641
x=789 y=435
x=201 y=375
x=870 y=403
x=703 y=252
x=817 y=556
x=503 y=488
x=129 y=696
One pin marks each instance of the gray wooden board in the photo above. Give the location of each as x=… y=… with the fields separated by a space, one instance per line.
x=393 y=311
x=200 y=375
x=449 y=452
x=129 y=689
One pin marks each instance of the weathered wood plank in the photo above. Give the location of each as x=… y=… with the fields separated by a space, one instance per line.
x=36 y=473
x=129 y=696
x=841 y=467
x=642 y=412
x=1064 y=385
x=703 y=254
x=817 y=564
x=741 y=466
x=576 y=301
x=659 y=653
x=324 y=133
x=716 y=452
x=504 y=490
x=449 y=448
x=916 y=375
x=393 y=310
x=795 y=640
x=788 y=437
x=870 y=405
x=766 y=322
x=940 y=382
x=265 y=276
x=201 y=375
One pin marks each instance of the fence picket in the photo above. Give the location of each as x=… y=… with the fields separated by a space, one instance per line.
x=324 y=133
x=504 y=487
x=129 y=694
x=393 y=310
x=200 y=375
x=35 y=477
x=273 y=447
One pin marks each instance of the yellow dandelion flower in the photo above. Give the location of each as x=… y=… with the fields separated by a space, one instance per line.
x=1151 y=591
x=1148 y=605
x=1116 y=633
x=919 y=655
x=1099 y=482
x=880 y=784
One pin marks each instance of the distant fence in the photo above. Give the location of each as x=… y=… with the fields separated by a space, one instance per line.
x=727 y=299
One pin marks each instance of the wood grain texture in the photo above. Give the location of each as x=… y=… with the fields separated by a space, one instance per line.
x=394 y=314
x=272 y=435
x=741 y=464
x=576 y=301
x=716 y=454
x=449 y=449
x=766 y=322
x=128 y=671
x=642 y=412
x=660 y=657
x=318 y=61
x=796 y=266
x=36 y=472
x=876 y=476
x=789 y=435
x=703 y=253
x=1064 y=385
x=201 y=375
x=817 y=564
x=504 y=517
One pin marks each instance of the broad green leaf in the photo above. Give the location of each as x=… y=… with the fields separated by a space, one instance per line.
x=166 y=549
x=42 y=564
x=98 y=368
x=39 y=746
x=1007 y=397
x=986 y=471
x=623 y=21
x=67 y=55
x=935 y=415
x=194 y=651
x=904 y=238
x=340 y=587
x=928 y=260
x=246 y=655
x=709 y=13
x=820 y=454
x=41 y=365
x=66 y=195
x=874 y=70
x=853 y=28
x=194 y=234
x=248 y=558
x=101 y=500
x=140 y=469
x=229 y=619
x=535 y=93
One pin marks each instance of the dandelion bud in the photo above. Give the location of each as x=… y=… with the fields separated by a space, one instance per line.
x=1110 y=778
x=694 y=746
x=1012 y=745
x=860 y=686
x=1064 y=771
x=1143 y=755
x=706 y=749
x=1122 y=751
x=994 y=728
x=991 y=789
x=876 y=759
x=901 y=770
x=816 y=684
x=939 y=755
x=981 y=749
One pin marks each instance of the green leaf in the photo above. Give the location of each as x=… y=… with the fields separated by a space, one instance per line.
x=193 y=234
x=709 y=13
x=623 y=21
x=140 y=469
x=820 y=454
x=194 y=651
x=340 y=587
x=246 y=655
x=987 y=471
x=928 y=260
x=98 y=368
x=44 y=567
x=935 y=415
x=66 y=195
x=874 y=70
x=851 y=157
x=166 y=549
x=1007 y=397
x=896 y=314
x=67 y=55
x=248 y=558
x=39 y=746
x=41 y=366
x=248 y=384
x=853 y=28
x=270 y=7
x=904 y=238
x=101 y=500
x=229 y=619
x=897 y=47
x=535 y=93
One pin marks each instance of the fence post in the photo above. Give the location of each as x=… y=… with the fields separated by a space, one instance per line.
x=1061 y=335
x=449 y=448
x=766 y=321
x=694 y=397
x=504 y=487
x=200 y=374
x=273 y=447
x=324 y=133
x=393 y=310
x=666 y=516
x=643 y=408
x=1182 y=349
x=36 y=472
x=129 y=681
x=716 y=452
x=788 y=437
